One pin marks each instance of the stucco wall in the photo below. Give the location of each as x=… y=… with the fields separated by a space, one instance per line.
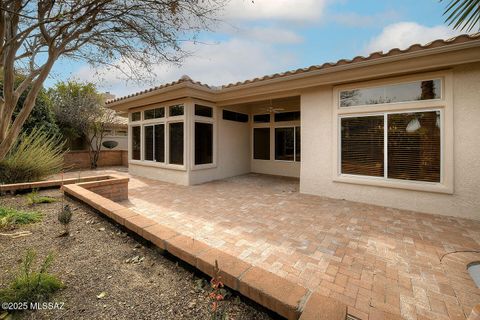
x=233 y=155
x=156 y=173
x=316 y=166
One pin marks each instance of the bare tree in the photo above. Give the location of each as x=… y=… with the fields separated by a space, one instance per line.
x=36 y=34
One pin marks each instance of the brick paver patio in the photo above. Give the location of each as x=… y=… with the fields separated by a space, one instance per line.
x=372 y=258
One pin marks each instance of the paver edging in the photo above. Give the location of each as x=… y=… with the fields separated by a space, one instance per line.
x=52 y=183
x=278 y=294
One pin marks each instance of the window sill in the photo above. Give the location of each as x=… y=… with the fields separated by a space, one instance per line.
x=204 y=166
x=158 y=165
x=396 y=184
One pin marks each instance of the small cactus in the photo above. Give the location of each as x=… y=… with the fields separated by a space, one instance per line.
x=64 y=217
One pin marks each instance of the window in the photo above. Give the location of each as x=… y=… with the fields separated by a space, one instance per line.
x=287 y=144
x=176 y=143
x=203 y=143
x=154 y=142
x=148 y=143
x=414 y=146
x=176 y=110
x=159 y=150
x=203 y=111
x=261 y=118
x=287 y=116
x=261 y=143
x=235 y=116
x=401 y=92
x=136 y=143
x=362 y=140
x=136 y=116
x=412 y=142
x=297 y=144
x=154 y=113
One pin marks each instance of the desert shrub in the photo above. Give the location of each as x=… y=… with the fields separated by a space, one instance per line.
x=35 y=155
x=34 y=198
x=29 y=285
x=10 y=217
x=64 y=217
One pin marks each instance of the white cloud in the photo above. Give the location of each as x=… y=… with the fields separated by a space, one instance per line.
x=266 y=35
x=404 y=34
x=229 y=61
x=353 y=19
x=290 y=10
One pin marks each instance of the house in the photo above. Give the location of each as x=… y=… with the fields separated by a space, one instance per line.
x=397 y=129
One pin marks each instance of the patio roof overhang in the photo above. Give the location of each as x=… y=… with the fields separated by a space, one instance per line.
x=437 y=55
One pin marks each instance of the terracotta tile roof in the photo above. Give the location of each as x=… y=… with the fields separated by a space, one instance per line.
x=375 y=55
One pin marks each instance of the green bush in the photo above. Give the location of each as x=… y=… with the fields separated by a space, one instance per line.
x=11 y=217
x=35 y=156
x=34 y=198
x=31 y=286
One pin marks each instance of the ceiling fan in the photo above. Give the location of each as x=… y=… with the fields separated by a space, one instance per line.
x=271 y=108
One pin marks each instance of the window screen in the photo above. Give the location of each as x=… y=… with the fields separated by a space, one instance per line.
x=261 y=143
x=203 y=111
x=284 y=144
x=203 y=143
x=159 y=142
x=136 y=143
x=362 y=144
x=148 y=142
x=176 y=142
x=414 y=146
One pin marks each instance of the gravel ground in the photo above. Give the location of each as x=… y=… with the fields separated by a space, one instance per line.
x=139 y=281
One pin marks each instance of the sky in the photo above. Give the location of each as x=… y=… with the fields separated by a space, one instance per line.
x=260 y=37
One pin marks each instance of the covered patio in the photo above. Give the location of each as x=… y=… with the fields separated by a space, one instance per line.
x=372 y=258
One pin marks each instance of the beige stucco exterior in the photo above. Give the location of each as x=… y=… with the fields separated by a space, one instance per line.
x=318 y=151
x=458 y=193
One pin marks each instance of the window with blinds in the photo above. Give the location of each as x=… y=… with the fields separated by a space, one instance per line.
x=412 y=145
x=363 y=145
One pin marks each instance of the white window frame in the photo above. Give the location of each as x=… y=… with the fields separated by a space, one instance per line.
x=166 y=120
x=211 y=120
x=294 y=142
x=273 y=125
x=444 y=105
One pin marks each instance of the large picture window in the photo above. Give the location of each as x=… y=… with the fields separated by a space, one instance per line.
x=149 y=137
x=176 y=143
x=136 y=142
x=203 y=143
x=261 y=143
x=408 y=144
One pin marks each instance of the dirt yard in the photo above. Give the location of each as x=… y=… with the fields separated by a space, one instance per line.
x=138 y=281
